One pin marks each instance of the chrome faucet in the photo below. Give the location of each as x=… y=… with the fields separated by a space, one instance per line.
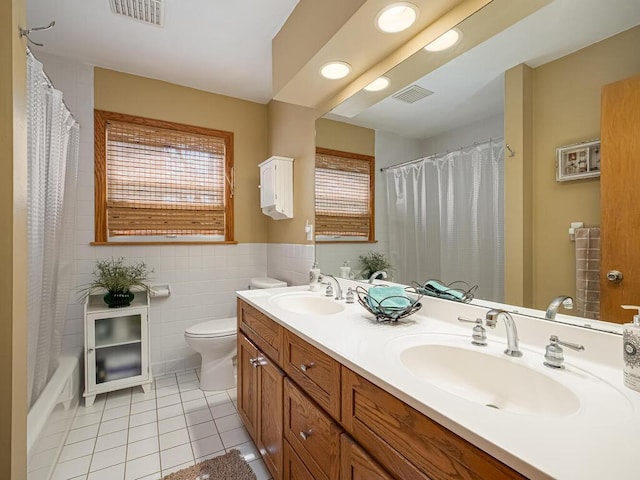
x=379 y=273
x=512 y=333
x=330 y=290
x=552 y=309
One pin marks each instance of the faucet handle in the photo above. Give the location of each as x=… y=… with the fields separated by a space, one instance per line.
x=479 y=336
x=554 y=356
x=350 y=295
x=329 y=291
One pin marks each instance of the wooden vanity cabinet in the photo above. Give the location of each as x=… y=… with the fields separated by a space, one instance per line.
x=313 y=418
x=408 y=443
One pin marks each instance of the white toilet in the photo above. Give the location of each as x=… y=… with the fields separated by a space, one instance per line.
x=215 y=341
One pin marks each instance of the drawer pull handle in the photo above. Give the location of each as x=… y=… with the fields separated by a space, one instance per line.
x=305 y=435
x=306 y=366
x=257 y=362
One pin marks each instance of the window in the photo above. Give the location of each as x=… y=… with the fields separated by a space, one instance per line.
x=344 y=196
x=158 y=181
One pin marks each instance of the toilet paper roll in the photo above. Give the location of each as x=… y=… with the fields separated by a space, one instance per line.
x=160 y=291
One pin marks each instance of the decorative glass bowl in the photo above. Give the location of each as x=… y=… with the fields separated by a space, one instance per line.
x=390 y=308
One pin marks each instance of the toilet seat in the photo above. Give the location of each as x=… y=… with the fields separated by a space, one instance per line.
x=221 y=327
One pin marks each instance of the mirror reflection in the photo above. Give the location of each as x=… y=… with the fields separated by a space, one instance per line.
x=444 y=190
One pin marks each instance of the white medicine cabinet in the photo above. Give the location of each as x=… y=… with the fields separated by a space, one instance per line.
x=276 y=187
x=116 y=350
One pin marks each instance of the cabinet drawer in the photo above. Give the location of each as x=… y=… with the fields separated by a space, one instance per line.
x=261 y=330
x=294 y=469
x=312 y=434
x=316 y=372
x=355 y=463
x=407 y=443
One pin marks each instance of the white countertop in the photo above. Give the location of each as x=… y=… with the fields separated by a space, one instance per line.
x=598 y=441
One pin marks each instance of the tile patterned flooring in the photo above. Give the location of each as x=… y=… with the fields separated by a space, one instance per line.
x=128 y=434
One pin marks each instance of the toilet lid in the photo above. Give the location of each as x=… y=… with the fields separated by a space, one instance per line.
x=213 y=328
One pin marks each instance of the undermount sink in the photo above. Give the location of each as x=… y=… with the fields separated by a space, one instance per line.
x=307 y=303
x=493 y=381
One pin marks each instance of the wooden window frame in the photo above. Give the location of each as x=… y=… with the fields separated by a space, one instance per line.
x=101 y=118
x=372 y=185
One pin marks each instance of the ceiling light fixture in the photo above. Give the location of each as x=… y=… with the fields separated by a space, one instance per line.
x=335 y=70
x=444 y=41
x=397 y=17
x=378 y=84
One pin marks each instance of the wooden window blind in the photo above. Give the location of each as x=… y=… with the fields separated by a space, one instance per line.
x=156 y=178
x=344 y=194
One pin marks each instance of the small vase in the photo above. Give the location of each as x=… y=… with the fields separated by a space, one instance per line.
x=118 y=299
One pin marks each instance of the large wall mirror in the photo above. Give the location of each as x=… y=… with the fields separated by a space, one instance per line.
x=454 y=115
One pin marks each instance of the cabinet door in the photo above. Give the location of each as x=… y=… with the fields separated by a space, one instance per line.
x=270 y=413
x=117 y=349
x=268 y=184
x=356 y=464
x=248 y=385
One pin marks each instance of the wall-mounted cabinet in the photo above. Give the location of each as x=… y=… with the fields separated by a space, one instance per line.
x=276 y=187
x=116 y=350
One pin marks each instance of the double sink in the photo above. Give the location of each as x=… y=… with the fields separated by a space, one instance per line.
x=481 y=375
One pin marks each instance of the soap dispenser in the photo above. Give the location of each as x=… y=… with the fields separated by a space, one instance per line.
x=314 y=278
x=631 y=350
x=345 y=270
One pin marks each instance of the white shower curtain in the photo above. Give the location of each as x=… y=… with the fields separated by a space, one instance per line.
x=52 y=142
x=446 y=218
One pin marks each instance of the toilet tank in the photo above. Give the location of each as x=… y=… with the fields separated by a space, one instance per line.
x=266 y=282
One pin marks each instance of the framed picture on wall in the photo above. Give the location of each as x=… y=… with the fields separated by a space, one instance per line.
x=580 y=160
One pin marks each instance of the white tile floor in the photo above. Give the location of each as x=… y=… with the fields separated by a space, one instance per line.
x=130 y=435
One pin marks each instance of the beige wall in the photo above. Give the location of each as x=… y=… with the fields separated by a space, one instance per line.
x=567 y=110
x=292 y=134
x=123 y=93
x=347 y=138
x=13 y=250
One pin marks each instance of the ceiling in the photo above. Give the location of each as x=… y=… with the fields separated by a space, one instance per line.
x=221 y=46
x=470 y=87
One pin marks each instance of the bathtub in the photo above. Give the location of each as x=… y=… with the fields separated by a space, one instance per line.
x=51 y=416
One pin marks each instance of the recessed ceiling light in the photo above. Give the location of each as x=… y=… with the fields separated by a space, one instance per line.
x=378 y=84
x=444 y=41
x=396 y=17
x=335 y=70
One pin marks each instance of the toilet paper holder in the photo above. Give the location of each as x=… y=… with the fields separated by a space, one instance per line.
x=159 y=291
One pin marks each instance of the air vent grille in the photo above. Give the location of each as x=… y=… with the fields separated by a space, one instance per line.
x=146 y=11
x=412 y=94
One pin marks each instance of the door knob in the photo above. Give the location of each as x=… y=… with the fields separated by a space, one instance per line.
x=614 y=276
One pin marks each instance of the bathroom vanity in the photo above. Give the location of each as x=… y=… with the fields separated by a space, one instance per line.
x=326 y=392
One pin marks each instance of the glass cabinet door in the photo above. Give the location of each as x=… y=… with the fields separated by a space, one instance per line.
x=118 y=344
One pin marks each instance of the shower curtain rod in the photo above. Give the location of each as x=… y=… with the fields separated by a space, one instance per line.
x=51 y=85
x=409 y=162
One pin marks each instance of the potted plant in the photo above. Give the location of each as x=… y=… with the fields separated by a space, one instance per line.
x=118 y=278
x=373 y=262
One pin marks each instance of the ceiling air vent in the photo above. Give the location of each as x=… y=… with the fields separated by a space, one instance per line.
x=412 y=94
x=146 y=11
